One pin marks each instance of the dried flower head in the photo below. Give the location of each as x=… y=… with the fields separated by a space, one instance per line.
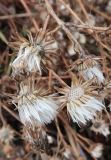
x=89 y=68
x=96 y=150
x=34 y=107
x=81 y=102
x=6 y=134
x=32 y=52
x=100 y=127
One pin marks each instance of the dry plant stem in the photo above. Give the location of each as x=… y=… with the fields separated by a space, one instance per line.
x=104 y=61
x=74 y=135
x=1 y=116
x=85 y=148
x=58 y=145
x=83 y=8
x=60 y=135
x=71 y=2
x=46 y=23
x=53 y=77
x=73 y=13
x=50 y=80
x=84 y=26
x=66 y=64
x=9 y=111
x=109 y=117
x=89 y=30
x=99 y=12
x=76 y=138
x=59 y=79
x=27 y=155
x=18 y=16
x=53 y=31
x=77 y=46
x=107 y=55
x=71 y=140
x=12 y=25
x=67 y=127
x=86 y=140
x=13 y=28
x=102 y=44
x=104 y=55
x=31 y=18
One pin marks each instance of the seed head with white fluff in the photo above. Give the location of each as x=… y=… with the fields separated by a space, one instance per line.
x=80 y=100
x=89 y=68
x=96 y=150
x=99 y=126
x=32 y=52
x=34 y=107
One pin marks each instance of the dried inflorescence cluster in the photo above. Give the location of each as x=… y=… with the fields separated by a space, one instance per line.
x=81 y=101
x=36 y=106
x=32 y=53
x=89 y=68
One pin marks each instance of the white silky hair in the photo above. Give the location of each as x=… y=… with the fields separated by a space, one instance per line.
x=103 y=127
x=89 y=73
x=97 y=151
x=40 y=109
x=85 y=111
x=31 y=60
x=104 y=130
x=20 y=56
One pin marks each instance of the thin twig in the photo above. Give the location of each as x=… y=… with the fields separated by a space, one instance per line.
x=60 y=135
x=59 y=79
x=31 y=18
x=77 y=47
x=83 y=8
x=99 y=12
x=11 y=112
x=72 y=12
x=84 y=26
x=21 y=15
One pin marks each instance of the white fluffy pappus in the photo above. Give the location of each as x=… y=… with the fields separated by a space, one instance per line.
x=32 y=52
x=84 y=111
x=89 y=73
x=97 y=150
x=81 y=103
x=28 y=60
x=100 y=127
x=36 y=109
x=89 y=68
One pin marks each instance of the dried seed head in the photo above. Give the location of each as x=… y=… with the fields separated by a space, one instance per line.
x=31 y=53
x=81 y=102
x=89 y=68
x=96 y=150
x=34 y=107
x=100 y=127
x=6 y=134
